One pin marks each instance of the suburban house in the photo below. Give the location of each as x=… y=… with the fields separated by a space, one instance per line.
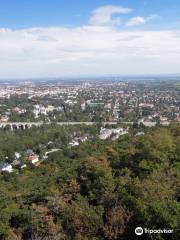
x=6 y=167
x=34 y=160
x=74 y=143
x=4 y=118
x=107 y=133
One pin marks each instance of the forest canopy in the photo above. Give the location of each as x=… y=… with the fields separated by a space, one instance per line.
x=97 y=190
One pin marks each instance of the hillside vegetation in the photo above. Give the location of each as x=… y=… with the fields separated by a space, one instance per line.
x=98 y=190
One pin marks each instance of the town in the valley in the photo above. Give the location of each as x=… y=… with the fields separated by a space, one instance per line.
x=113 y=107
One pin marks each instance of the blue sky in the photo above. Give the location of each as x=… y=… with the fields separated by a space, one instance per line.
x=43 y=38
x=33 y=13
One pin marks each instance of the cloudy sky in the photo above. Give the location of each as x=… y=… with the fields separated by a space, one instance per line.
x=51 y=38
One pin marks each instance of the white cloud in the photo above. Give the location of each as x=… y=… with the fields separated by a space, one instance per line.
x=104 y=15
x=94 y=49
x=136 y=21
x=87 y=50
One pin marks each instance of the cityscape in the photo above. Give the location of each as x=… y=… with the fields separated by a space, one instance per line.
x=148 y=102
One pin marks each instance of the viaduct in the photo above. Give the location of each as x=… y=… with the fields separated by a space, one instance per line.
x=27 y=125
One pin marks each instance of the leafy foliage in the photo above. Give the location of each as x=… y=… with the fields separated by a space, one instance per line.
x=99 y=190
